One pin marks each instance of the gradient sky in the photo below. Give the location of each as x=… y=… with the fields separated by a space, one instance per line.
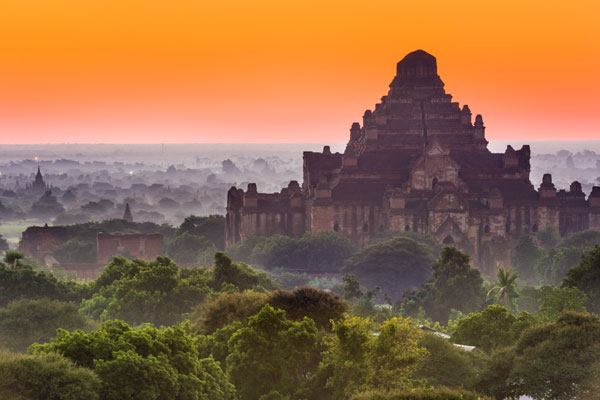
x=131 y=71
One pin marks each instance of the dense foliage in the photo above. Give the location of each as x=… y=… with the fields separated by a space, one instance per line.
x=273 y=354
x=140 y=291
x=324 y=251
x=361 y=359
x=454 y=285
x=24 y=322
x=421 y=394
x=76 y=251
x=197 y=239
x=320 y=306
x=586 y=277
x=492 y=328
x=248 y=339
x=142 y=364
x=524 y=257
x=160 y=292
x=45 y=377
x=22 y=281
x=394 y=265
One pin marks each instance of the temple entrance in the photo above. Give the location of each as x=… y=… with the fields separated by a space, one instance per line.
x=448 y=241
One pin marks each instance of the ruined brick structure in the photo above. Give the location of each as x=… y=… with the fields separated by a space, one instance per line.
x=40 y=241
x=143 y=246
x=418 y=163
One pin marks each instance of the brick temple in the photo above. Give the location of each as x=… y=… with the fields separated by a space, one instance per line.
x=417 y=163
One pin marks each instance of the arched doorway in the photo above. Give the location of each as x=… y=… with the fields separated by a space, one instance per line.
x=448 y=241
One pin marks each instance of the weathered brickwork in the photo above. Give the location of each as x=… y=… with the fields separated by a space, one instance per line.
x=142 y=246
x=38 y=242
x=418 y=163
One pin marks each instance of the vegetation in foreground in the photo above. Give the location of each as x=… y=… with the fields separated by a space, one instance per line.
x=154 y=330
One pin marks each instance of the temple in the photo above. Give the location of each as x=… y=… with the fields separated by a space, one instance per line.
x=38 y=185
x=417 y=163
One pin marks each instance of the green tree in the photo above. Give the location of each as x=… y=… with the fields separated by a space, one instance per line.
x=448 y=365
x=358 y=359
x=22 y=281
x=352 y=289
x=505 y=291
x=147 y=363
x=586 y=239
x=76 y=251
x=441 y=393
x=548 y=237
x=24 y=322
x=141 y=291
x=215 y=345
x=13 y=258
x=318 y=252
x=242 y=276
x=586 y=277
x=226 y=309
x=45 y=377
x=394 y=266
x=323 y=251
x=273 y=354
x=211 y=227
x=186 y=247
x=275 y=251
x=555 y=301
x=529 y=299
x=319 y=305
x=556 y=262
x=552 y=361
x=525 y=255
x=453 y=285
x=433 y=245
x=495 y=379
x=491 y=328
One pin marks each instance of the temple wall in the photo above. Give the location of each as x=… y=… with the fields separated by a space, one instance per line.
x=38 y=242
x=268 y=223
x=547 y=216
x=321 y=218
x=594 y=220
x=143 y=246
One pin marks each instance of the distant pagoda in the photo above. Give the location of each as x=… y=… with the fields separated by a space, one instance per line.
x=127 y=214
x=38 y=185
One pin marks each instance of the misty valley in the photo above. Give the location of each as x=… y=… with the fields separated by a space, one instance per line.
x=100 y=303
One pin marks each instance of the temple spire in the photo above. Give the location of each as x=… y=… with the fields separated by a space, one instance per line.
x=127 y=214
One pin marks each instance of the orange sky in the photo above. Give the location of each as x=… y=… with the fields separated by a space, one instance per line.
x=128 y=71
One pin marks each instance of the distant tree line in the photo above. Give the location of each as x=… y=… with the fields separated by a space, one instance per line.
x=155 y=330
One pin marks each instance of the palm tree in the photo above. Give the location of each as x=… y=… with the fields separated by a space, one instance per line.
x=505 y=290
x=13 y=258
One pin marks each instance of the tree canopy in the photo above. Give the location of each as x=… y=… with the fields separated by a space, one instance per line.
x=139 y=291
x=454 y=285
x=524 y=257
x=24 y=322
x=492 y=328
x=586 y=277
x=318 y=252
x=142 y=364
x=394 y=265
x=273 y=354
